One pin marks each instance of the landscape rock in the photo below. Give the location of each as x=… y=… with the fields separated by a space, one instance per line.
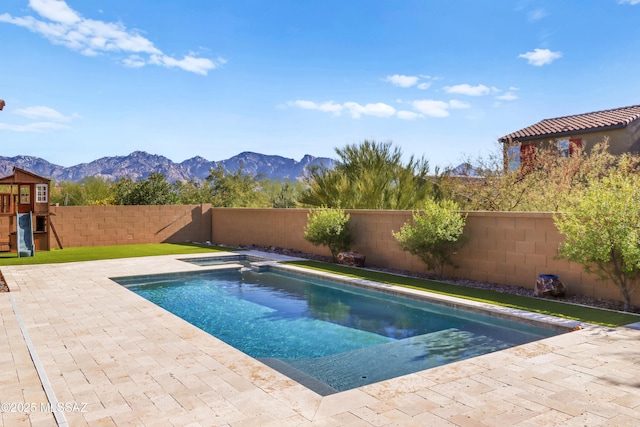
x=549 y=285
x=351 y=258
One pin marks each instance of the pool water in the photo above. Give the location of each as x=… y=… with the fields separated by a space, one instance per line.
x=328 y=336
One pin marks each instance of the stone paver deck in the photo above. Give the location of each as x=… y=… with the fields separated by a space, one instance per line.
x=111 y=358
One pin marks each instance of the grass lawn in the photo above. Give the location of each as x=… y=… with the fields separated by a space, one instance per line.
x=537 y=305
x=92 y=253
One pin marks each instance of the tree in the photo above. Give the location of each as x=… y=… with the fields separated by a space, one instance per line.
x=434 y=234
x=329 y=227
x=153 y=190
x=603 y=231
x=89 y=191
x=68 y=194
x=97 y=191
x=192 y=192
x=369 y=175
x=549 y=183
x=234 y=190
x=282 y=194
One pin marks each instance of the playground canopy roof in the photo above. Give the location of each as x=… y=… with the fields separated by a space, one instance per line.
x=21 y=176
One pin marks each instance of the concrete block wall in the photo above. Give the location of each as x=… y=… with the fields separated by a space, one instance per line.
x=510 y=248
x=121 y=225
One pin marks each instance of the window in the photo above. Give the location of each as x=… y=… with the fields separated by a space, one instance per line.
x=563 y=148
x=513 y=157
x=25 y=195
x=42 y=193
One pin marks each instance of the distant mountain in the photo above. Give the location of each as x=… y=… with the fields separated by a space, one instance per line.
x=139 y=165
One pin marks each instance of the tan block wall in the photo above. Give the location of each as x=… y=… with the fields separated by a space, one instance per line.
x=509 y=248
x=121 y=225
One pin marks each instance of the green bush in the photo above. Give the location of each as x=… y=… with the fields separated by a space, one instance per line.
x=329 y=227
x=603 y=232
x=434 y=234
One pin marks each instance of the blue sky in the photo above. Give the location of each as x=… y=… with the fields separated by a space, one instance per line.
x=181 y=78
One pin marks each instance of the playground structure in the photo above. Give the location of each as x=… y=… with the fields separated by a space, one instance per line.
x=24 y=213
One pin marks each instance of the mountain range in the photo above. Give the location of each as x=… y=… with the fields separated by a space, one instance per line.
x=139 y=165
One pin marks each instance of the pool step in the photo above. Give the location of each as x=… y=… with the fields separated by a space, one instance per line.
x=297 y=375
x=355 y=368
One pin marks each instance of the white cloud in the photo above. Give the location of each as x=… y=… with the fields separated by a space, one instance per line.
x=41 y=112
x=356 y=110
x=326 y=107
x=507 y=96
x=55 y=10
x=378 y=109
x=48 y=120
x=465 y=89
x=540 y=57
x=423 y=107
x=63 y=26
x=454 y=103
x=402 y=80
x=432 y=108
x=537 y=14
x=631 y=2
x=407 y=115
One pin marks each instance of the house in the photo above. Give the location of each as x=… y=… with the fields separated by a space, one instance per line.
x=620 y=125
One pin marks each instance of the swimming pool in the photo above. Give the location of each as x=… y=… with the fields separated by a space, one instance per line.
x=328 y=336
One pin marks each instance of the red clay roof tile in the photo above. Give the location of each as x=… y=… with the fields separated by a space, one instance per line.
x=588 y=122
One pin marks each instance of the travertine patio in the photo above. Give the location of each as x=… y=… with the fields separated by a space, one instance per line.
x=108 y=357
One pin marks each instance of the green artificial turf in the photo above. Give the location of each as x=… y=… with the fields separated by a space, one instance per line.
x=537 y=305
x=92 y=253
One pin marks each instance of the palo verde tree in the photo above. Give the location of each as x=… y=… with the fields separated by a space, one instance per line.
x=330 y=228
x=434 y=234
x=282 y=194
x=369 y=175
x=234 y=190
x=603 y=231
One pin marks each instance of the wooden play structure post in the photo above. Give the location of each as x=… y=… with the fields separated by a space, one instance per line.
x=24 y=213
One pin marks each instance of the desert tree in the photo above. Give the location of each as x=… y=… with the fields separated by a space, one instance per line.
x=369 y=175
x=434 y=234
x=329 y=227
x=602 y=232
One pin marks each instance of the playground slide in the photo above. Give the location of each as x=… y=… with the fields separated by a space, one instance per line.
x=25 y=235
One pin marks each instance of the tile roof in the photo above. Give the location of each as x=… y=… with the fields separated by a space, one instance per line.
x=588 y=122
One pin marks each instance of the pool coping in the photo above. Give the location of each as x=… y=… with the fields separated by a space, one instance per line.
x=254 y=394
x=261 y=263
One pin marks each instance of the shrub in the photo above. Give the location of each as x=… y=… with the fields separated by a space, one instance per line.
x=603 y=232
x=329 y=227
x=434 y=234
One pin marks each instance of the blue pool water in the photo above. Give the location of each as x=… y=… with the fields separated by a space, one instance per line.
x=328 y=336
